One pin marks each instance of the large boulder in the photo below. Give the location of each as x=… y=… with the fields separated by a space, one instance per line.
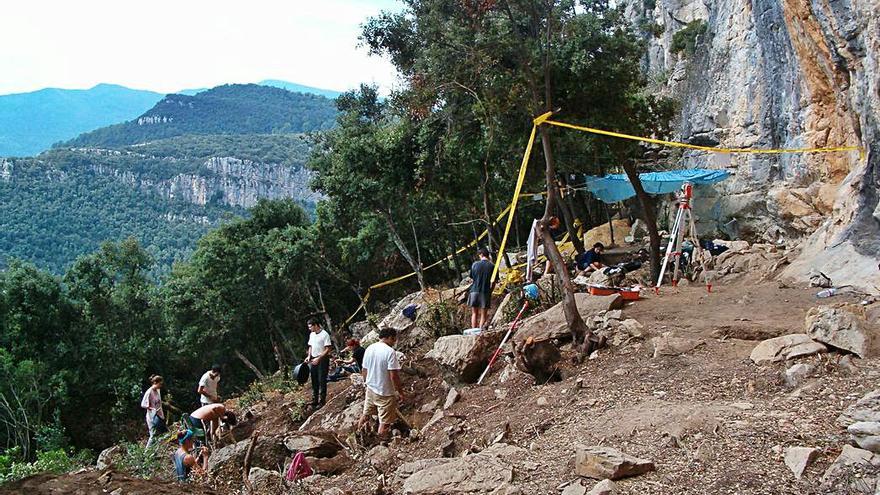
x=464 y=357
x=865 y=409
x=396 y=319
x=313 y=444
x=843 y=327
x=330 y=465
x=109 y=456
x=551 y=324
x=475 y=473
x=853 y=472
x=778 y=348
x=269 y=453
x=264 y=481
x=866 y=434
x=608 y=463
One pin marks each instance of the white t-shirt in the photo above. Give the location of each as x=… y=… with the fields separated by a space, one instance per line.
x=210 y=385
x=378 y=360
x=318 y=342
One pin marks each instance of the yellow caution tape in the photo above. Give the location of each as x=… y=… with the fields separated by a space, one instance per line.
x=677 y=144
x=516 y=191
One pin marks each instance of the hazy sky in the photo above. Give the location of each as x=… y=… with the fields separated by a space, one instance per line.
x=169 y=45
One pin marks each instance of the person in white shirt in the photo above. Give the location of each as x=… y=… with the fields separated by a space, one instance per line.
x=208 y=386
x=382 y=379
x=152 y=402
x=318 y=357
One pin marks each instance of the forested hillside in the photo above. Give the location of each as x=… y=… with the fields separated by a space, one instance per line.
x=229 y=109
x=166 y=194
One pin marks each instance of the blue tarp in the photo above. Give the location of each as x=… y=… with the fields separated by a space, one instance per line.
x=616 y=187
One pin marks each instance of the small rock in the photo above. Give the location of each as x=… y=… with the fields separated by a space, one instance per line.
x=117 y=491
x=438 y=415
x=796 y=374
x=606 y=462
x=451 y=398
x=429 y=406
x=604 y=487
x=614 y=314
x=575 y=488
x=743 y=406
x=798 y=458
x=541 y=402
x=667 y=345
x=501 y=393
x=619 y=372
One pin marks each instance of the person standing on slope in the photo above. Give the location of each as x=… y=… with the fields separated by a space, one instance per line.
x=208 y=386
x=318 y=357
x=480 y=297
x=381 y=372
x=152 y=402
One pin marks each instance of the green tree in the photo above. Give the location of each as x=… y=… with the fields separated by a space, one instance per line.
x=580 y=57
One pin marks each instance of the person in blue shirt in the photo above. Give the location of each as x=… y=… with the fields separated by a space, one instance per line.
x=591 y=260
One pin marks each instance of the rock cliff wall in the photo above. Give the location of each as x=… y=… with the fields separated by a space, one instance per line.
x=780 y=74
x=228 y=181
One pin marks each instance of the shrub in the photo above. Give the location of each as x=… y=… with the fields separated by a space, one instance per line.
x=651 y=27
x=52 y=461
x=140 y=461
x=686 y=39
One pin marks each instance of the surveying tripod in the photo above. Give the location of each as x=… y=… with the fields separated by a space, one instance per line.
x=684 y=220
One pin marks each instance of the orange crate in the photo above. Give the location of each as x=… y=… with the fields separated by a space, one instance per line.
x=629 y=295
x=601 y=291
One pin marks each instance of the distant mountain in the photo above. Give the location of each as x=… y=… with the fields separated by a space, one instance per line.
x=299 y=88
x=32 y=122
x=167 y=194
x=228 y=109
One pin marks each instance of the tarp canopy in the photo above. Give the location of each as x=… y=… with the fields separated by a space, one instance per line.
x=616 y=187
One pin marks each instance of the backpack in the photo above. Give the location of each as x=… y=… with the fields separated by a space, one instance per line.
x=299 y=468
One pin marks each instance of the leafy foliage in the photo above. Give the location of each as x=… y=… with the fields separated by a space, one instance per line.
x=53 y=461
x=141 y=461
x=229 y=109
x=686 y=39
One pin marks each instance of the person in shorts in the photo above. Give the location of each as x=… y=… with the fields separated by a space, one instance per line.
x=480 y=296
x=381 y=372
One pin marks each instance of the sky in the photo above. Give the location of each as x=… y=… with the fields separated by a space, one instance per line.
x=170 y=45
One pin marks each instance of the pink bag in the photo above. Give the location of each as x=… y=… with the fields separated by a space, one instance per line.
x=299 y=468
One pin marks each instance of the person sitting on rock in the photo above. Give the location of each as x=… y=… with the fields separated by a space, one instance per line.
x=352 y=364
x=210 y=416
x=187 y=458
x=590 y=261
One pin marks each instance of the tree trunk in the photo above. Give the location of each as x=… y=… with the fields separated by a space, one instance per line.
x=568 y=216
x=648 y=215
x=576 y=324
x=249 y=364
x=398 y=241
x=334 y=336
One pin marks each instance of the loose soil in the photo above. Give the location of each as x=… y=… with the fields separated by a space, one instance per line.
x=710 y=419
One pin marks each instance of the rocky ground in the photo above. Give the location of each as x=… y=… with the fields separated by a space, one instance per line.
x=677 y=401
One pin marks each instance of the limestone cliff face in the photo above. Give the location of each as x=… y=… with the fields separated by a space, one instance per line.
x=781 y=74
x=229 y=181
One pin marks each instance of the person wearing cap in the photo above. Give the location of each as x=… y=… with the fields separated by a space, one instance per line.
x=208 y=386
x=480 y=295
x=187 y=458
x=318 y=357
x=352 y=364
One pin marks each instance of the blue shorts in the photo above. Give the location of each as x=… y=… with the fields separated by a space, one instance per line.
x=479 y=300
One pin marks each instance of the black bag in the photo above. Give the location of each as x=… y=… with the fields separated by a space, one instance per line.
x=159 y=425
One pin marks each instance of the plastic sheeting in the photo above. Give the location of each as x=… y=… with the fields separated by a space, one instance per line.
x=616 y=187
